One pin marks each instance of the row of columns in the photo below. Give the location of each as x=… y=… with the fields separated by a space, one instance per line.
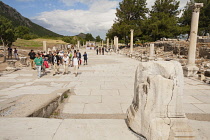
x=190 y=69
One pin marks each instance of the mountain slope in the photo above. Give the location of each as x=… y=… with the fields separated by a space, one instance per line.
x=18 y=20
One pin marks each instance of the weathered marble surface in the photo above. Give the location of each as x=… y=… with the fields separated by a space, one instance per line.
x=156 y=111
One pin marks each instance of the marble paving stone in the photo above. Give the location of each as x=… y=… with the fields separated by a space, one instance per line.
x=82 y=91
x=125 y=107
x=23 y=128
x=112 y=87
x=191 y=99
x=117 y=99
x=126 y=92
x=73 y=108
x=206 y=92
x=103 y=108
x=190 y=108
x=105 y=92
x=192 y=92
x=73 y=129
x=84 y=99
x=204 y=99
x=203 y=107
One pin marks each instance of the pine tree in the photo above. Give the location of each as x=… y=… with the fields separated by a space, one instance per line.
x=163 y=20
x=130 y=15
x=204 y=20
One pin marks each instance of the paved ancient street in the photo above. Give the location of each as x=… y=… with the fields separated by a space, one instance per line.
x=96 y=107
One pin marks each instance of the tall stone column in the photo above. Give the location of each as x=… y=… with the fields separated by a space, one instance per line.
x=45 y=46
x=78 y=44
x=131 y=43
x=116 y=43
x=107 y=43
x=111 y=44
x=191 y=69
x=151 y=52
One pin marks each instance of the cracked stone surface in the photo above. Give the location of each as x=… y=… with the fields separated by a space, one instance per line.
x=156 y=111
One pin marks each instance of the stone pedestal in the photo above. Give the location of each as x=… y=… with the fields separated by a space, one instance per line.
x=49 y=50
x=107 y=43
x=157 y=107
x=151 y=52
x=23 y=61
x=190 y=70
x=45 y=46
x=78 y=44
x=11 y=65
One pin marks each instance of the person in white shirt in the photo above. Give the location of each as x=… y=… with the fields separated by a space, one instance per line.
x=75 y=64
x=65 y=63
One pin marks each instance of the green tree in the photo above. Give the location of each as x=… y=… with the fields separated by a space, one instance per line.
x=20 y=31
x=98 y=38
x=204 y=20
x=7 y=34
x=89 y=37
x=163 y=19
x=130 y=15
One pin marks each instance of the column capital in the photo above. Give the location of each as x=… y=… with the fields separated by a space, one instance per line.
x=132 y=30
x=197 y=6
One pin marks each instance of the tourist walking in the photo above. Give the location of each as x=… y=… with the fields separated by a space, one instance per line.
x=38 y=61
x=103 y=51
x=97 y=51
x=79 y=57
x=32 y=55
x=85 y=58
x=65 y=63
x=75 y=63
x=9 y=52
x=15 y=53
x=56 y=63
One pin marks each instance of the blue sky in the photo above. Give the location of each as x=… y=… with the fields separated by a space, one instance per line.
x=71 y=17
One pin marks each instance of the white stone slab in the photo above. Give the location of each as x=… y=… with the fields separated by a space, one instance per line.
x=204 y=99
x=103 y=108
x=125 y=107
x=190 y=108
x=113 y=87
x=74 y=108
x=126 y=92
x=203 y=107
x=84 y=99
x=190 y=99
x=28 y=128
x=82 y=129
x=104 y=92
x=117 y=99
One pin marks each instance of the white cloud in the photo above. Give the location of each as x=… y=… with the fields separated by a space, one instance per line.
x=71 y=22
x=150 y=3
x=97 y=20
x=72 y=2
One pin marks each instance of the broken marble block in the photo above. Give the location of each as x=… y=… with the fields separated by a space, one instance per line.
x=156 y=111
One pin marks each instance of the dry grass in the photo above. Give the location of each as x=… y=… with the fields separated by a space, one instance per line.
x=36 y=44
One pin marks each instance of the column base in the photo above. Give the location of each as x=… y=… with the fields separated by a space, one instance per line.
x=190 y=70
x=151 y=58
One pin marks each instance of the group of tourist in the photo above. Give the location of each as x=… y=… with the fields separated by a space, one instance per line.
x=101 y=50
x=54 y=59
x=15 y=52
